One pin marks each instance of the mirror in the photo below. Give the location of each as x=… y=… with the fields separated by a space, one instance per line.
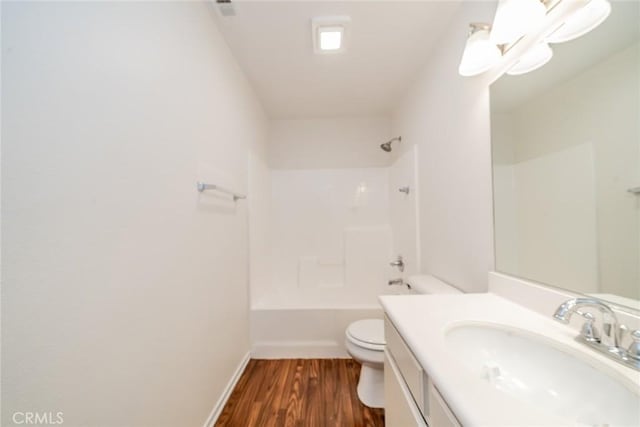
x=566 y=161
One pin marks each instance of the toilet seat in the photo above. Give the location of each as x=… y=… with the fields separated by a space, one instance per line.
x=367 y=333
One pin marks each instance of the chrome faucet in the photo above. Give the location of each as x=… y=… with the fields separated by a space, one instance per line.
x=610 y=343
x=611 y=329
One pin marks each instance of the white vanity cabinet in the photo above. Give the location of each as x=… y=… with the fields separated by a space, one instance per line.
x=411 y=399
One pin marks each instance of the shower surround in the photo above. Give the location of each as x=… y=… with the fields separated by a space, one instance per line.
x=325 y=253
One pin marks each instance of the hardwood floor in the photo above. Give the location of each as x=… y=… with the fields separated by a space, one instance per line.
x=299 y=393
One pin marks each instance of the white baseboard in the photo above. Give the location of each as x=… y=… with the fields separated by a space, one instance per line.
x=219 y=406
x=298 y=350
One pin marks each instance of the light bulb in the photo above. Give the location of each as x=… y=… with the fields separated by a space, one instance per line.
x=515 y=18
x=582 y=21
x=533 y=59
x=479 y=53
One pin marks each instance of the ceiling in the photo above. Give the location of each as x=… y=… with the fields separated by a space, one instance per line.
x=619 y=31
x=389 y=41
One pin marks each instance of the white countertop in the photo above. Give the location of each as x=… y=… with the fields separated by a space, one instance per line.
x=423 y=320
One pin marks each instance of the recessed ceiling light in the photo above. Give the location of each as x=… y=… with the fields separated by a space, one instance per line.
x=330 y=33
x=330 y=38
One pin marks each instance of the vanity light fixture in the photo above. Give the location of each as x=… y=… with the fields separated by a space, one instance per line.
x=538 y=21
x=532 y=59
x=329 y=34
x=581 y=22
x=515 y=18
x=480 y=53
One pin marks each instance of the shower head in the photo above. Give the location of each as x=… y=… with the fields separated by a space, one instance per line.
x=387 y=145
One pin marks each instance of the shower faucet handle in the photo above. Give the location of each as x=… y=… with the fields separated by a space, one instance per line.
x=399 y=262
x=396 y=282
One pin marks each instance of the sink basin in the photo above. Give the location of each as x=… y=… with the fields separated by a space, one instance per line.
x=544 y=373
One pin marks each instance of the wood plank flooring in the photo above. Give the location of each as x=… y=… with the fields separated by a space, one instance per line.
x=299 y=393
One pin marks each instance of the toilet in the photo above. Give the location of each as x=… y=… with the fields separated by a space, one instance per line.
x=364 y=340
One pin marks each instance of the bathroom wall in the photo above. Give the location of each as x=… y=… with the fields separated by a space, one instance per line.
x=447 y=117
x=125 y=293
x=259 y=228
x=329 y=143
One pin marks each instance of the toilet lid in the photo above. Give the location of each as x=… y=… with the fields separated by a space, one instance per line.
x=368 y=331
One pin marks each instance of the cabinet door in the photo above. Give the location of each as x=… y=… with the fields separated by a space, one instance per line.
x=440 y=415
x=410 y=369
x=400 y=410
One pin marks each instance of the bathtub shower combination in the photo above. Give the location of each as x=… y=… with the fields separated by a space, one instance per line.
x=327 y=253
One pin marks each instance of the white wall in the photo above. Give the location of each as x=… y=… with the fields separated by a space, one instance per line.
x=329 y=143
x=124 y=294
x=259 y=228
x=447 y=116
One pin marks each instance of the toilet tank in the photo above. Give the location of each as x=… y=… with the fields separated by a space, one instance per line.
x=427 y=284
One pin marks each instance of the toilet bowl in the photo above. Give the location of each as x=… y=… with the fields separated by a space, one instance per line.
x=365 y=342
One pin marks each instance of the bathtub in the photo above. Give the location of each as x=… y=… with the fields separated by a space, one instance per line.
x=302 y=327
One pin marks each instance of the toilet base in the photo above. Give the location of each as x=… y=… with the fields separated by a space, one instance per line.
x=371 y=386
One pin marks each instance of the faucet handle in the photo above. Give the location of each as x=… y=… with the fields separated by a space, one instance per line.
x=589 y=332
x=634 y=348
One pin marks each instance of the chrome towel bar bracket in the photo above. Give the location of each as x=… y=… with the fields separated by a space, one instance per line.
x=202 y=186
